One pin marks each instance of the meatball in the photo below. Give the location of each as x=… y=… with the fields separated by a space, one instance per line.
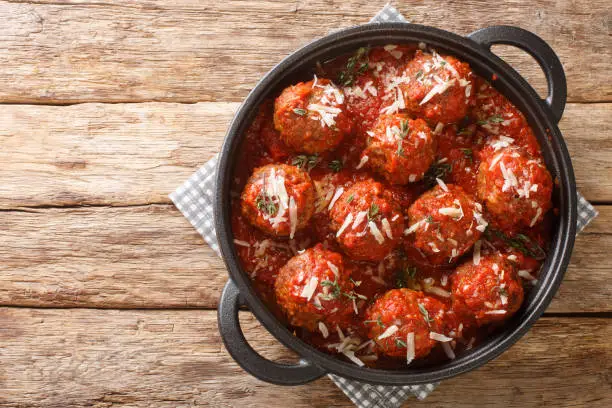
x=400 y=149
x=444 y=223
x=515 y=188
x=367 y=220
x=487 y=292
x=315 y=287
x=278 y=199
x=311 y=116
x=401 y=321
x=439 y=88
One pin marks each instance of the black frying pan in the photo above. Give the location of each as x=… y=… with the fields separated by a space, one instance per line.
x=542 y=115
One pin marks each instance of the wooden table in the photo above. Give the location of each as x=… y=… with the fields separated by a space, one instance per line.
x=108 y=295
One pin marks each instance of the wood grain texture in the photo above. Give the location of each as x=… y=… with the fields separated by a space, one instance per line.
x=134 y=154
x=78 y=358
x=151 y=257
x=141 y=50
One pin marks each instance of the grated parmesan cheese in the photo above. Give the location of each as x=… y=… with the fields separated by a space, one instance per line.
x=387 y=228
x=335 y=198
x=376 y=232
x=390 y=331
x=439 y=337
x=410 y=348
x=345 y=224
x=310 y=288
x=476 y=257
x=323 y=329
x=293 y=217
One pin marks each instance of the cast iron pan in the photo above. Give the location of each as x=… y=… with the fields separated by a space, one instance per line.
x=542 y=115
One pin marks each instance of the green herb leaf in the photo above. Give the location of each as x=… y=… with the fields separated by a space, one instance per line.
x=356 y=65
x=419 y=74
x=265 y=204
x=373 y=211
x=492 y=119
x=400 y=149
x=299 y=111
x=377 y=321
x=305 y=162
x=350 y=198
x=437 y=170
x=425 y=314
x=400 y=343
x=335 y=165
x=469 y=154
x=520 y=242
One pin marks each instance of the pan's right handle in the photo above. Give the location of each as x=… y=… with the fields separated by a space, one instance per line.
x=538 y=49
x=249 y=359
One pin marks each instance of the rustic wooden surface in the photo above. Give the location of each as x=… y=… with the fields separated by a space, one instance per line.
x=105 y=107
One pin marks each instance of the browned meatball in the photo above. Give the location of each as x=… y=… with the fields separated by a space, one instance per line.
x=401 y=322
x=315 y=287
x=486 y=292
x=367 y=220
x=311 y=117
x=439 y=89
x=400 y=149
x=444 y=223
x=515 y=188
x=278 y=199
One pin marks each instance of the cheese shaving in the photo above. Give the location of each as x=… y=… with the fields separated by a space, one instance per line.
x=439 y=337
x=376 y=232
x=310 y=288
x=337 y=195
x=410 y=348
x=390 y=331
x=476 y=258
x=345 y=224
x=323 y=329
x=293 y=217
x=387 y=228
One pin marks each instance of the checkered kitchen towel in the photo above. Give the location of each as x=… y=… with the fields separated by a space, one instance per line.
x=195 y=200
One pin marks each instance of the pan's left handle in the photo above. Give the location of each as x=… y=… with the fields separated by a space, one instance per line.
x=538 y=49
x=251 y=361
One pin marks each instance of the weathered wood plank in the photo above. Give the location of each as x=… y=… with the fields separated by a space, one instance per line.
x=186 y=50
x=151 y=257
x=124 y=154
x=84 y=357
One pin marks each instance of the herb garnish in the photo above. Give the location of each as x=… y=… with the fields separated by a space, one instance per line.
x=469 y=154
x=355 y=65
x=425 y=314
x=336 y=291
x=403 y=275
x=400 y=149
x=350 y=198
x=305 y=162
x=419 y=74
x=492 y=119
x=377 y=321
x=373 y=211
x=520 y=242
x=437 y=170
x=299 y=111
x=335 y=165
x=266 y=204
x=400 y=343
x=503 y=291
x=404 y=129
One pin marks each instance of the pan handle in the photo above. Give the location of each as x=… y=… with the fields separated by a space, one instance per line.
x=538 y=49
x=251 y=361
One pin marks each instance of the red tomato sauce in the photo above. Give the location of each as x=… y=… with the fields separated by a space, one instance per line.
x=371 y=81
